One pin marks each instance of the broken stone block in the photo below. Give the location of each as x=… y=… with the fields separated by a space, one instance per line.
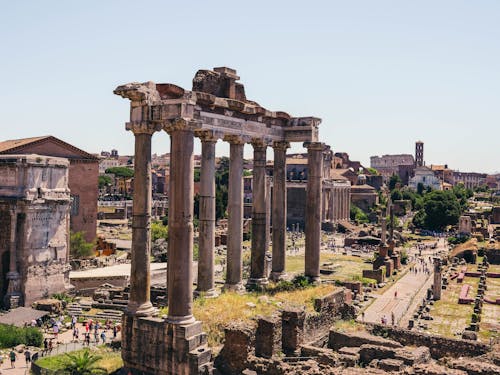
x=390 y=364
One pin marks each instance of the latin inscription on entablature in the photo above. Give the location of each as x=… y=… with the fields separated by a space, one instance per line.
x=239 y=126
x=8 y=176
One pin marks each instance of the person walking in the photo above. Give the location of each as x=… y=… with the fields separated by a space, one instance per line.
x=27 y=357
x=13 y=357
x=103 y=336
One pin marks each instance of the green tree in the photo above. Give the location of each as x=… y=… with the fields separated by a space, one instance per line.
x=81 y=363
x=123 y=172
x=394 y=181
x=358 y=215
x=79 y=247
x=419 y=219
x=158 y=230
x=442 y=208
x=420 y=188
x=104 y=181
x=221 y=188
x=396 y=195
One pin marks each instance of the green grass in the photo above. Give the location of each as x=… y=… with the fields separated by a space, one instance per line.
x=111 y=359
x=346 y=267
x=450 y=317
x=216 y=313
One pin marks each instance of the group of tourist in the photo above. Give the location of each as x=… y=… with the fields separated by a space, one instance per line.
x=95 y=329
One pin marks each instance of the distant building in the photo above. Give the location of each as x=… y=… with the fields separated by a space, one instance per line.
x=470 y=180
x=401 y=165
x=419 y=154
x=425 y=176
x=83 y=174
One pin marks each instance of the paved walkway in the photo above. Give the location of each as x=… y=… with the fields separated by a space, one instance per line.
x=410 y=288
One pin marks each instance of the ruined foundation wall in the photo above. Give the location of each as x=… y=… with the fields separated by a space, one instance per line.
x=439 y=346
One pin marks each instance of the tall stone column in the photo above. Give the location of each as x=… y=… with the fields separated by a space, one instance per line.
x=13 y=295
x=234 y=262
x=206 y=240
x=331 y=216
x=139 y=303
x=279 y=210
x=313 y=209
x=180 y=224
x=438 y=279
x=258 y=276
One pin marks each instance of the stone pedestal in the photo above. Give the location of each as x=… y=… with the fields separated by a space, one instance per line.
x=279 y=211
x=235 y=211
x=258 y=277
x=151 y=346
x=206 y=284
x=396 y=259
x=389 y=267
x=313 y=210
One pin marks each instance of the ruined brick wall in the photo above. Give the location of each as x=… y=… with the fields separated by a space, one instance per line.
x=328 y=309
x=83 y=185
x=439 y=346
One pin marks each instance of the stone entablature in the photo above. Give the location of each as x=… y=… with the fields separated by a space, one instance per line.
x=34 y=207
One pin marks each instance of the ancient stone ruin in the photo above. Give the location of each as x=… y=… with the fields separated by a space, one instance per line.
x=216 y=108
x=34 y=223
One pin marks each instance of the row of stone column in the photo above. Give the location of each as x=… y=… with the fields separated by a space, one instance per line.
x=336 y=205
x=179 y=273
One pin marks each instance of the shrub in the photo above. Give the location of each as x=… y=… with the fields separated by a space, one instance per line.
x=11 y=336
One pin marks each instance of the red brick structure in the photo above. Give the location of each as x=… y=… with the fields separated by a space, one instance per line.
x=83 y=174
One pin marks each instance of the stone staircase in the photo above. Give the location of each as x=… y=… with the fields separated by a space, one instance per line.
x=74 y=309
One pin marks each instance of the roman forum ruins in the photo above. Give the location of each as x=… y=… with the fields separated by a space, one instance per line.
x=216 y=108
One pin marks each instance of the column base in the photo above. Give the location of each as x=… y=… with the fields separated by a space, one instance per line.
x=146 y=309
x=278 y=276
x=257 y=283
x=181 y=320
x=211 y=293
x=315 y=280
x=238 y=288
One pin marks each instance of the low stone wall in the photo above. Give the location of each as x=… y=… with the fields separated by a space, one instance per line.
x=377 y=275
x=337 y=340
x=285 y=332
x=439 y=346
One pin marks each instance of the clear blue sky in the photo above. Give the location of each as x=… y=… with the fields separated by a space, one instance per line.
x=381 y=74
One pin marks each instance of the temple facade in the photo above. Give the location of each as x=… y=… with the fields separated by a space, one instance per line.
x=216 y=108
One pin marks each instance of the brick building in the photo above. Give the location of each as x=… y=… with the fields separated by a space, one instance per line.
x=83 y=174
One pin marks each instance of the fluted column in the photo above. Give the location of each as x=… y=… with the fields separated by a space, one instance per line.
x=234 y=271
x=180 y=223
x=331 y=216
x=206 y=237
x=139 y=303
x=259 y=235
x=279 y=210
x=313 y=210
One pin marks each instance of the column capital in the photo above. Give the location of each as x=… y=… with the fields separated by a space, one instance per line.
x=180 y=124
x=316 y=146
x=208 y=136
x=143 y=127
x=259 y=143
x=281 y=145
x=234 y=139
